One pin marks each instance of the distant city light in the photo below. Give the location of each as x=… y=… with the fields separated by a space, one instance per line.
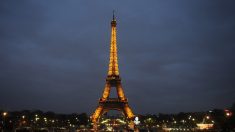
x=136 y=121
x=4 y=113
x=189 y=117
x=228 y=113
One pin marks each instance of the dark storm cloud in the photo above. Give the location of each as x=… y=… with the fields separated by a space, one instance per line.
x=173 y=55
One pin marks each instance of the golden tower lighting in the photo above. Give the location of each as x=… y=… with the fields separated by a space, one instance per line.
x=113 y=80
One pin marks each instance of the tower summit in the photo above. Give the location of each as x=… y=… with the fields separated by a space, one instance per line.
x=113 y=22
x=113 y=80
x=113 y=59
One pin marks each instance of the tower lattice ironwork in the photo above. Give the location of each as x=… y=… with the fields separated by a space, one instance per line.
x=113 y=80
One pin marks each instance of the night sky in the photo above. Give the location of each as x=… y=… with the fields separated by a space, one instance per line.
x=173 y=55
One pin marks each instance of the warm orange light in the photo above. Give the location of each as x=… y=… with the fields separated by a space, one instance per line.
x=106 y=91
x=204 y=126
x=129 y=112
x=120 y=92
x=113 y=59
x=4 y=113
x=97 y=113
x=113 y=80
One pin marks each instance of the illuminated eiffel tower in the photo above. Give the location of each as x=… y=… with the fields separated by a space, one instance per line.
x=113 y=80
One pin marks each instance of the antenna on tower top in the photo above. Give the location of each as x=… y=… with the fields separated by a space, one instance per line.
x=113 y=22
x=113 y=15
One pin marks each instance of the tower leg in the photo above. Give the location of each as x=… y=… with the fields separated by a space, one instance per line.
x=128 y=112
x=131 y=125
x=106 y=91
x=95 y=127
x=120 y=92
x=97 y=114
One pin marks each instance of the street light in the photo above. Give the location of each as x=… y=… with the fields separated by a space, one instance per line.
x=4 y=118
x=228 y=113
x=4 y=114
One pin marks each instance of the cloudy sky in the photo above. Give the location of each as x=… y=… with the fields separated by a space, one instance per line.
x=173 y=55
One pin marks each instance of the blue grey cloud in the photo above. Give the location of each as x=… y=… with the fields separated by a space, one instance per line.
x=173 y=55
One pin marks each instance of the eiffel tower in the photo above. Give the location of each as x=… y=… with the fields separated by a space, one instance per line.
x=113 y=80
